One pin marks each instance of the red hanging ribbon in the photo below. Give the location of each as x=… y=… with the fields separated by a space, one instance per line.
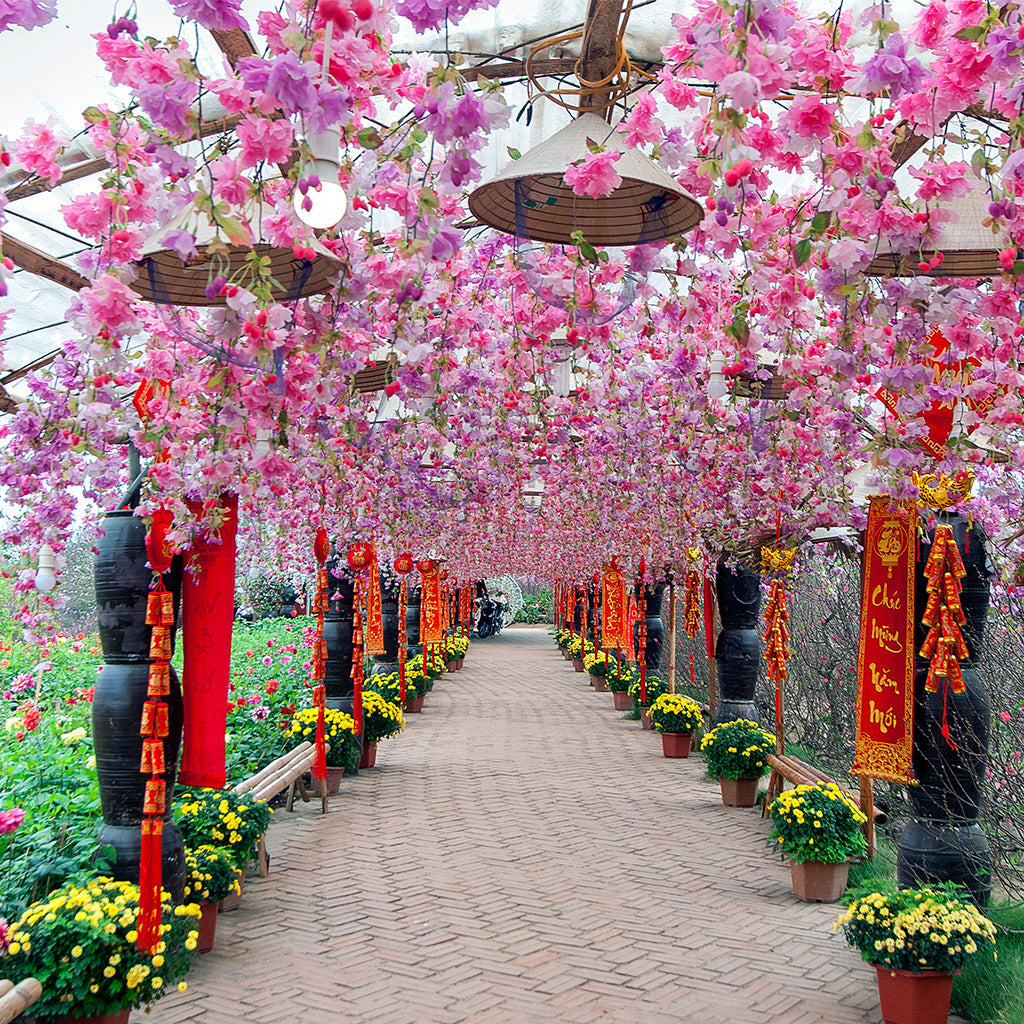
x=321 y=550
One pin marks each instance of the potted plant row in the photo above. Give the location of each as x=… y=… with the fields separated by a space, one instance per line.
x=80 y=943
x=210 y=876
x=596 y=663
x=642 y=697
x=819 y=828
x=916 y=939
x=737 y=752
x=677 y=717
x=618 y=679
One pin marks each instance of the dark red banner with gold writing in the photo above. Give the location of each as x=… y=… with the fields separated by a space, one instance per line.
x=431 y=612
x=885 y=661
x=614 y=615
x=374 y=641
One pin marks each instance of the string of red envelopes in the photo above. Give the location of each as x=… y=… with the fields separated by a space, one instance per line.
x=154 y=729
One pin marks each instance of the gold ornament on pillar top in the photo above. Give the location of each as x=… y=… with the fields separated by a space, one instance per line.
x=777 y=560
x=939 y=491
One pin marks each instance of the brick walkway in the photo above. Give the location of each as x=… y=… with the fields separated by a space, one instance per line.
x=523 y=853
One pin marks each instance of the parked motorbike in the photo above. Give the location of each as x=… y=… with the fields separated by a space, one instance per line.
x=491 y=619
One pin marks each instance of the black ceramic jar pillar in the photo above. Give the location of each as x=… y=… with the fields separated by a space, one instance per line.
x=122 y=578
x=339 y=621
x=655 y=627
x=413 y=596
x=338 y=625
x=388 y=661
x=738 y=652
x=943 y=840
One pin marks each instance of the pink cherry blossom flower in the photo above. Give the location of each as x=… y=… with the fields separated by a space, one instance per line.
x=594 y=175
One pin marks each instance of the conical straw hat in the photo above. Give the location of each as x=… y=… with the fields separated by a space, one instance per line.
x=969 y=249
x=164 y=278
x=530 y=198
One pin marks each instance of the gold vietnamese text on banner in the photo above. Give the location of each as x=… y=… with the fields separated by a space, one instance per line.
x=614 y=621
x=885 y=660
x=374 y=608
x=431 y=613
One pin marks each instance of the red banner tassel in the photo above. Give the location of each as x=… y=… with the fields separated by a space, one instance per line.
x=945 y=723
x=147 y=925
x=320 y=754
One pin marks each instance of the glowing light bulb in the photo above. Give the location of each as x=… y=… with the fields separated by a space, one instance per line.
x=46 y=580
x=323 y=203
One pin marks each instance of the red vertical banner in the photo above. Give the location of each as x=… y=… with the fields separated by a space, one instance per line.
x=885 y=659
x=374 y=608
x=207 y=611
x=614 y=621
x=431 y=612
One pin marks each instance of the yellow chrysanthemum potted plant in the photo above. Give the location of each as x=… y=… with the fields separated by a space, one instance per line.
x=916 y=939
x=381 y=719
x=737 y=752
x=223 y=818
x=210 y=876
x=80 y=942
x=677 y=717
x=819 y=828
x=339 y=733
x=596 y=665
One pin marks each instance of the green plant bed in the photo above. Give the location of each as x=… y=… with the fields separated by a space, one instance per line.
x=991 y=990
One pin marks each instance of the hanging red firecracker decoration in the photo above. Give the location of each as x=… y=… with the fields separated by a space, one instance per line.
x=943 y=615
x=358 y=553
x=403 y=566
x=641 y=629
x=321 y=551
x=692 y=611
x=777 y=633
x=154 y=729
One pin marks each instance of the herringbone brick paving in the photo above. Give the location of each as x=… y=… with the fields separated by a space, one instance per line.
x=524 y=853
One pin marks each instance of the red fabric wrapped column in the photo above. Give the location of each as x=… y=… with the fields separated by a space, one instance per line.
x=208 y=596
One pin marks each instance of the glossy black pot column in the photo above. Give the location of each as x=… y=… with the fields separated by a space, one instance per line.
x=655 y=645
x=339 y=622
x=413 y=596
x=122 y=578
x=388 y=661
x=338 y=625
x=738 y=652
x=943 y=841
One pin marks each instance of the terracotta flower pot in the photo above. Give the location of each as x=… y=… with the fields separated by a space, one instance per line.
x=451 y=665
x=119 y=1017
x=334 y=776
x=645 y=718
x=577 y=663
x=738 y=792
x=623 y=701
x=369 y=756
x=459 y=663
x=233 y=900
x=814 y=881
x=207 y=926
x=907 y=997
x=413 y=705
x=676 y=744
x=599 y=684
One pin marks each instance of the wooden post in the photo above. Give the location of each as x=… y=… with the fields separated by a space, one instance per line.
x=671 y=636
x=867 y=806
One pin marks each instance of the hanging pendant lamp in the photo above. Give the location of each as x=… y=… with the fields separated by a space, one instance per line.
x=167 y=279
x=968 y=248
x=530 y=198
